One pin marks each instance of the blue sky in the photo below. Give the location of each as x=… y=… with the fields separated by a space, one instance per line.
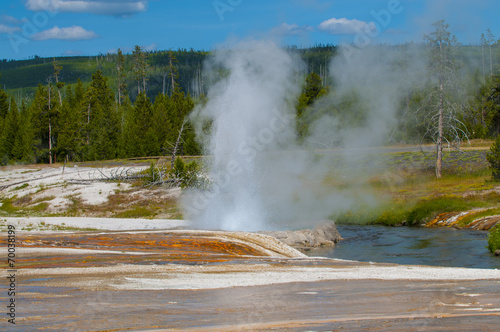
x=88 y=27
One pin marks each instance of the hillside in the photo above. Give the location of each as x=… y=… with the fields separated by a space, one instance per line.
x=21 y=78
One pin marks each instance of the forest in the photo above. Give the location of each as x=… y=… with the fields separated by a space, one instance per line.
x=136 y=105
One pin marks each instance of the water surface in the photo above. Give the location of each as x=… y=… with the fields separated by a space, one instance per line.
x=415 y=246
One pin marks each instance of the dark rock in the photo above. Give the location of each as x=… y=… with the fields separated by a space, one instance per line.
x=323 y=235
x=497 y=253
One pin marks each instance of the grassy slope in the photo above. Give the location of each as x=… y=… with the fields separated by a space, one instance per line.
x=412 y=195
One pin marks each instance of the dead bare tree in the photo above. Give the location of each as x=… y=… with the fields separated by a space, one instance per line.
x=490 y=40
x=178 y=142
x=444 y=101
x=49 y=114
x=59 y=85
x=99 y=174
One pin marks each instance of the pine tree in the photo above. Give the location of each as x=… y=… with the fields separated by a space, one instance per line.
x=103 y=125
x=161 y=122
x=9 y=133
x=70 y=126
x=493 y=157
x=59 y=85
x=492 y=105
x=142 y=137
x=4 y=105
x=4 y=111
x=124 y=112
x=45 y=111
x=23 y=148
x=140 y=68
x=120 y=76
x=313 y=89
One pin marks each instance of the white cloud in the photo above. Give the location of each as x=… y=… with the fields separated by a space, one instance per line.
x=73 y=33
x=344 y=26
x=7 y=29
x=10 y=20
x=101 y=7
x=291 y=29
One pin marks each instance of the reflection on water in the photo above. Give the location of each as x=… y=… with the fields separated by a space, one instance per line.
x=416 y=246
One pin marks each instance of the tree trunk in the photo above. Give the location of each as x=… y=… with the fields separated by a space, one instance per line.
x=164 y=76
x=439 y=158
x=482 y=55
x=176 y=147
x=119 y=92
x=88 y=122
x=491 y=61
x=50 y=131
x=172 y=75
x=50 y=142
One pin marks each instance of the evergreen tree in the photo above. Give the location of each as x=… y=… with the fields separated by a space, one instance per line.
x=4 y=105
x=45 y=111
x=125 y=110
x=161 y=123
x=103 y=125
x=23 y=147
x=9 y=133
x=59 y=85
x=141 y=138
x=140 y=68
x=492 y=105
x=120 y=76
x=4 y=111
x=313 y=89
x=70 y=126
x=493 y=157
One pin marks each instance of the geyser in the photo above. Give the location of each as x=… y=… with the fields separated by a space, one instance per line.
x=261 y=180
x=251 y=120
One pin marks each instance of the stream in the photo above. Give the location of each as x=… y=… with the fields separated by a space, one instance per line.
x=413 y=246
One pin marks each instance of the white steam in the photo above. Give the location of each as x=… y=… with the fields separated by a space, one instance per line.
x=262 y=179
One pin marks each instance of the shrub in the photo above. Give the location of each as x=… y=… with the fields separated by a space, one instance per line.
x=493 y=158
x=494 y=239
x=189 y=175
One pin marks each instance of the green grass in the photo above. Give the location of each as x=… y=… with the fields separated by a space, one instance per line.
x=38 y=208
x=24 y=185
x=7 y=207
